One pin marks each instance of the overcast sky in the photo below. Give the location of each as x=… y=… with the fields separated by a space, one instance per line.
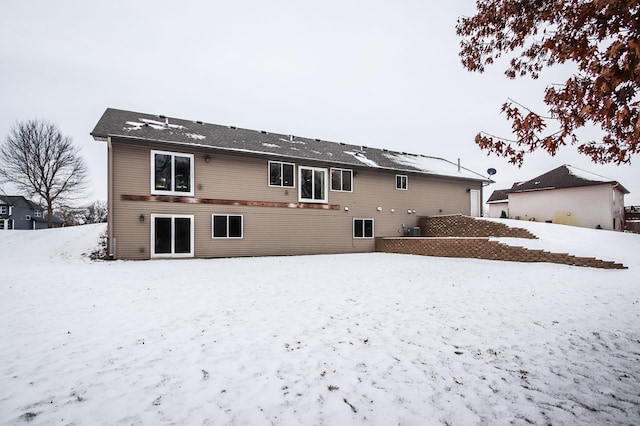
x=376 y=73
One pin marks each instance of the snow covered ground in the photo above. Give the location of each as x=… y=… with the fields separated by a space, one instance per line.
x=373 y=339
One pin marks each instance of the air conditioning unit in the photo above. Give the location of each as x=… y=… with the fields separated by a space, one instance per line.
x=413 y=231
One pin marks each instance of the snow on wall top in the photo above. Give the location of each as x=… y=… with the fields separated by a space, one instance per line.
x=140 y=126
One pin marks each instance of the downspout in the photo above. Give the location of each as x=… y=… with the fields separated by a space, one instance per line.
x=110 y=241
x=615 y=213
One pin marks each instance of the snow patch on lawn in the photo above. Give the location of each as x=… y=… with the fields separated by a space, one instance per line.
x=370 y=339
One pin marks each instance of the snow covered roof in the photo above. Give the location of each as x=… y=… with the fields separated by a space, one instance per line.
x=158 y=128
x=565 y=176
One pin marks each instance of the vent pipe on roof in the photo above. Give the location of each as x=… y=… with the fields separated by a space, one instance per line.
x=458 y=165
x=290 y=138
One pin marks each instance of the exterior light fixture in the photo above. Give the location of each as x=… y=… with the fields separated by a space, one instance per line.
x=379 y=209
x=393 y=210
x=346 y=208
x=207 y=158
x=409 y=211
x=141 y=218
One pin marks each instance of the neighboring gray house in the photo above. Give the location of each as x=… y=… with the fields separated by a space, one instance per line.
x=16 y=212
x=183 y=188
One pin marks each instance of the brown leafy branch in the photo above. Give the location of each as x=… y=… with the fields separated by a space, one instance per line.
x=601 y=37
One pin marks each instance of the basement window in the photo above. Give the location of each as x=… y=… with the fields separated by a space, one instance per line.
x=362 y=228
x=226 y=226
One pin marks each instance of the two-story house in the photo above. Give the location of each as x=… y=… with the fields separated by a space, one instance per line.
x=17 y=212
x=181 y=188
x=565 y=195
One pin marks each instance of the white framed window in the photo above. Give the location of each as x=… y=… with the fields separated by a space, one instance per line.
x=342 y=180
x=313 y=185
x=171 y=173
x=402 y=182
x=229 y=226
x=282 y=174
x=363 y=228
x=37 y=213
x=3 y=209
x=171 y=235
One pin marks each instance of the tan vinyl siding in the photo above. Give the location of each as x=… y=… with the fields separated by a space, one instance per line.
x=271 y=230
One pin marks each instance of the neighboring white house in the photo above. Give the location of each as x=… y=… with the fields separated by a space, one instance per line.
x=565 y=195
x=499 y=203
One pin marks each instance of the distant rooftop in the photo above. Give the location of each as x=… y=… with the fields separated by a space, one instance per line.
x=159 y=128
x=499 y=196
x=565 y=176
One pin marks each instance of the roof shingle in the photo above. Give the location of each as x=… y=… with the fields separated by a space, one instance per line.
x=565 y=176
x=139 y=126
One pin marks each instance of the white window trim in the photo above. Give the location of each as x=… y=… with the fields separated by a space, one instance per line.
x=227 y=215
x=406 y=180
x=37 y=213
x=155 y=191
x=3 y=209
x=373 y=228
x=153 y=236
x=281 y=164
x=325 y=196
x=331 y=179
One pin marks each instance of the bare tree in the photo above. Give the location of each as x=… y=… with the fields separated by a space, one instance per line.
x=37 y=159
x=95 y=212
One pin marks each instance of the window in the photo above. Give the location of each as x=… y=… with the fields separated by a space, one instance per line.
x=171 y=173
x=37 y=213
x=27 y=217
x=313 y=185
x=171 y=235
x=226 y=226
x=401 y=182
x=341 y=180
x=281 y=174
x=3 y=209
x=362 y=228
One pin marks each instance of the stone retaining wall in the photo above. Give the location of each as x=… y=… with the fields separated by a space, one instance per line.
x=466 y=237
x=483 y=248
x=465 y=226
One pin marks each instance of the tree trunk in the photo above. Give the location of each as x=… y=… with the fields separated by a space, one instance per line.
x=49 y=214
